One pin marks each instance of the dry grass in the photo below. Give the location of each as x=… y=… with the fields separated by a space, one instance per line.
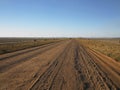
x=109 y=47
x=14 y=45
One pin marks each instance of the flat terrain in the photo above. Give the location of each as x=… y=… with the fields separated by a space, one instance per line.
x=8 y=45
x=64 y=65
x=109 y=47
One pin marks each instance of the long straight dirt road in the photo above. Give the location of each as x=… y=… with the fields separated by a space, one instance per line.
x=65 y=65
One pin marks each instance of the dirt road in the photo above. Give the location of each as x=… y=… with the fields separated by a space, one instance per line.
x=66 y=65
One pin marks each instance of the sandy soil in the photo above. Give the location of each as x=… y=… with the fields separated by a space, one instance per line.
x=65 y=65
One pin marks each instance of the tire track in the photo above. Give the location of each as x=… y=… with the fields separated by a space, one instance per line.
x=114 y=68
x=60 y=81
x=46 y=80
x=9 y=65
x=82 y=69
x=17 y=53
x=113 y=76
x=74 y=67
x=89 y=73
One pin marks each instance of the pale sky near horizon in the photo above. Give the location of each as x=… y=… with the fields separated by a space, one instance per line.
x=59 y=18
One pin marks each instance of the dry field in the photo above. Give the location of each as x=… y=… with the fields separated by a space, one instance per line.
x=63 y=65
x=14 y=44
x=109 y=47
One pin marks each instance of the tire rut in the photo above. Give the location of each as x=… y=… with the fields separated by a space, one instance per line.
x=26 y=51
x=109 y=81
x=74 y=67
x=89 y=75
x=46 y=80
x=4 y=68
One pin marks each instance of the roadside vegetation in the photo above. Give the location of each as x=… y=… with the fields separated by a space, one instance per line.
x=11 y=45
x=109 y=47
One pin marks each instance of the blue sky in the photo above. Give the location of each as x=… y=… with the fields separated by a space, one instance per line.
x=59 y=18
